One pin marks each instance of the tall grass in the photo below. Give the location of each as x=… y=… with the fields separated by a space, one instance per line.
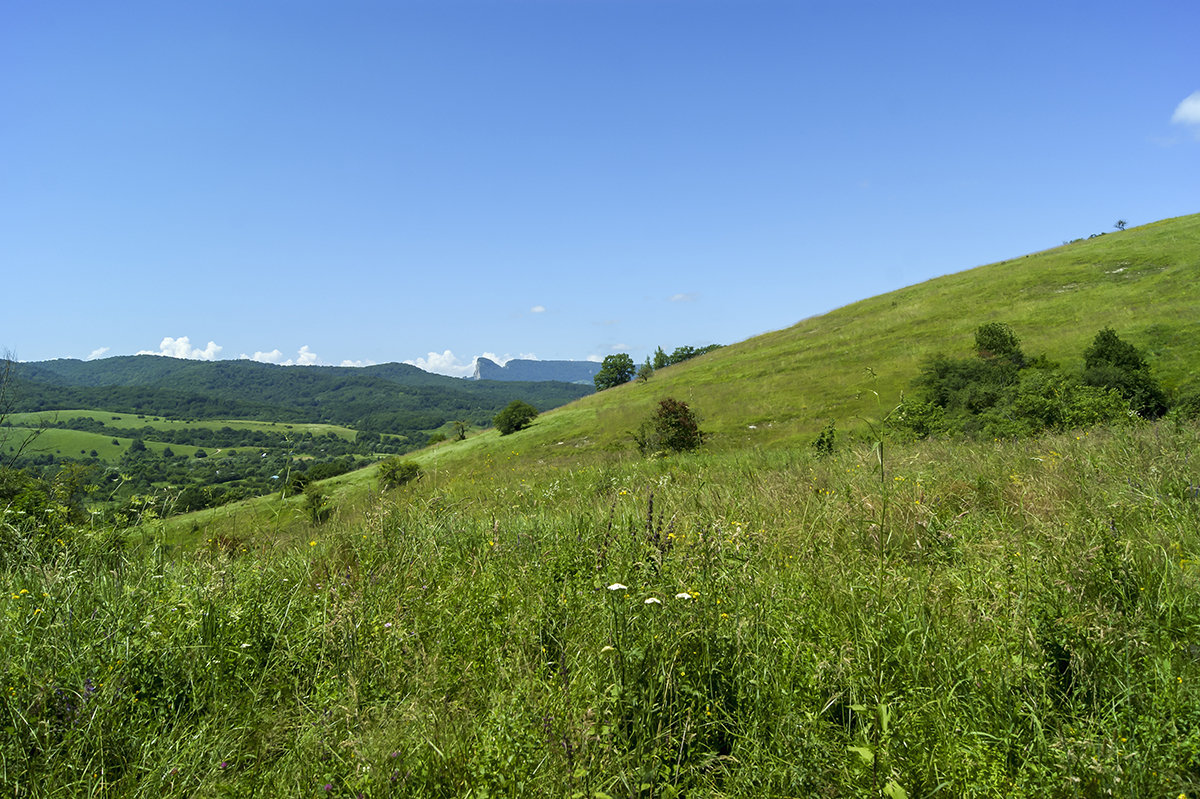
x=1023 y=621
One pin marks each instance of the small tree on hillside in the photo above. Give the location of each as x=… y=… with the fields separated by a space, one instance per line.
x=645 y=371
x=517 y=415
x=997 y=340
x=674 y=427
x=615 y=370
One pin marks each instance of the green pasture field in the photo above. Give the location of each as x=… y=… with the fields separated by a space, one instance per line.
x=162 y=423
x=78 y=444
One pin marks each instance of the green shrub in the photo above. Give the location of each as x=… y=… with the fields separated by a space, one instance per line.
x=826 y=441
x=674 y=427
x=914 y=418
x=316 y=503
x=1187 y=405
x=1112 y=363
x=395 y=472
x=517 y=415
x=997 y=340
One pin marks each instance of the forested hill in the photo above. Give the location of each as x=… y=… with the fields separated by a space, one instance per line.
x=387 y=398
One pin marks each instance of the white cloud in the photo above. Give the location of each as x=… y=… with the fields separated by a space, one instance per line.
x=304 y=357
x=447 y=363
x=538 y=309
x=356 y=364
x=274 y=356
x=96 y=353
x=1188 y=111
x=182 y=348
x=685 y=297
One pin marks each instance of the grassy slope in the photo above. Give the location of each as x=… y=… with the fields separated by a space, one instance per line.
x=1026 y=623
x=787 y=384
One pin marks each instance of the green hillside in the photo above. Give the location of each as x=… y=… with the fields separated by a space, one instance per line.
x=853 y=362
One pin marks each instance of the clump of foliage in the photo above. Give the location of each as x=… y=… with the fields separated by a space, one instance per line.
x=681 y=354
x=395 y=472
x=516 y=416
x=316 y=504
x=1001 y=392
x=1187 y=404
x=996 y=340
x=297 y=482
x=1112 y=363
x=674 y=427
x=645 y=371
x=825 y=443
x=614 y=371
x=43 y=517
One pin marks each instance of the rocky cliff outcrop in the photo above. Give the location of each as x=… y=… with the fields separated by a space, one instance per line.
x=520 y=369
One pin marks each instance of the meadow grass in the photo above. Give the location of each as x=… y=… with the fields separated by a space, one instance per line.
x=973 y=619
x=136 y=421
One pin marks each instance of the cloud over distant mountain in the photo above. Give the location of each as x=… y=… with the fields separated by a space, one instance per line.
x=182 y=348
x=304 y=357
x=447 y=363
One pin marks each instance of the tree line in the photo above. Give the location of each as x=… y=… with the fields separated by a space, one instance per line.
x=619 y=368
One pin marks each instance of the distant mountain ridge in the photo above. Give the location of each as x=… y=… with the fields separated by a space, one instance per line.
x=525 y=369
x=387 y=398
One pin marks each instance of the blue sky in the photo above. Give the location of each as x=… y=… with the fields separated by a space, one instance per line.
x=432 y=180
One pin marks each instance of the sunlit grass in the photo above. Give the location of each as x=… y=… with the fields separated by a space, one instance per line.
x=988 y=619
